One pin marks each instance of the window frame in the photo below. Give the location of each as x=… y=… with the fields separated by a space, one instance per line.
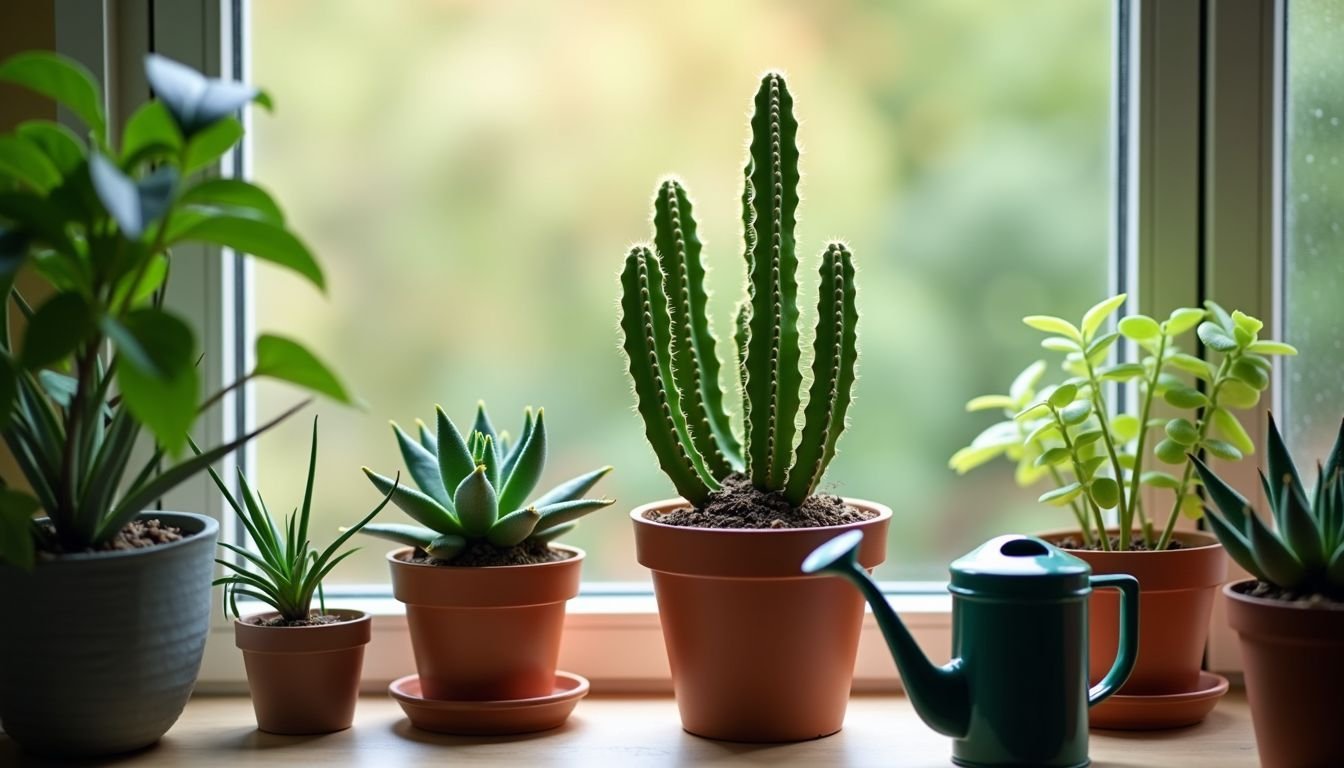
x=1197 y=206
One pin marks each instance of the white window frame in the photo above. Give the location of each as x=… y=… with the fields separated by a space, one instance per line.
x=1196 y=162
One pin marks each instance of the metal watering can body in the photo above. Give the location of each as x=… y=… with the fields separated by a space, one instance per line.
x=1016 y=691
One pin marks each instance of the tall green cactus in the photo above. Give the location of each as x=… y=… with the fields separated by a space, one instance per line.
x=672 y=349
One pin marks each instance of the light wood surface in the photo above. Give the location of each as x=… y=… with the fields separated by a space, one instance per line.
x=626 y=731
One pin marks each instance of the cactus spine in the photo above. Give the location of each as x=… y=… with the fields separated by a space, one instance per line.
x=672 y=350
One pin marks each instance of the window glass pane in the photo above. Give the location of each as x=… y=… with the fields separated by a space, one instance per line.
x=471 y=174
x=1313 y=395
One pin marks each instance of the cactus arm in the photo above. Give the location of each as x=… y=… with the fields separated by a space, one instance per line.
x=571 y=489
x=477 y=505
x=641 y=349
x=423 y=467
x=773 y=376
x=455 y=460
x=827 y=361
x=695 y=362
x=511 y=454
x=567 y=512
x=420 y=507
x=527 y=470
x=849 y=360
x=410 y=535
x=513 y=528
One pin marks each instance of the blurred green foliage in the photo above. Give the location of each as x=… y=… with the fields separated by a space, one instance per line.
x=470 y=173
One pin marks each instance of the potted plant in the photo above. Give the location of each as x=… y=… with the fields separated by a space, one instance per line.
x=1290 y=615
x=759 y=652
x=484 y=583
x=303 y=666
x=108 y=600
x=1097 y=459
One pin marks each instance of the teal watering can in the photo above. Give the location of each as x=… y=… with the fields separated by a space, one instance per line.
x=1016 y=691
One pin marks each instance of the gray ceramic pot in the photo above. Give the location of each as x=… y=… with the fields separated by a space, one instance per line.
x=100 y=651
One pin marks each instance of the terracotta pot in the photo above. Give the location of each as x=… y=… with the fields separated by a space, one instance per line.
x=100 y=651
x=1293 y=656
x=1176 y=590
x=304 y=679
x=486 y=634
x=758 y=651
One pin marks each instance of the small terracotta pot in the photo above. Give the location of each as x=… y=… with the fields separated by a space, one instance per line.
x=1176 y=590
x=1293 y=656
x=758 y=651
x=304 y=679
x=486 y=633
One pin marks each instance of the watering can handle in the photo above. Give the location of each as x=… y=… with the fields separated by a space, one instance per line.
x=1129 y=635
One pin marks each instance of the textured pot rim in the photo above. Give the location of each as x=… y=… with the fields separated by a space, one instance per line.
x=311 y=639
x=637 y=514
x=577 y=556
x=1230 y=589
x=1209 y=542
x=1200 y=567
x=209 y=527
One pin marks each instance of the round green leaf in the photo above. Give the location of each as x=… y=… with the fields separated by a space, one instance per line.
x=1185 y=397
x=1170 y=451
x=1222 y=449
x=1182 y=431
x=1182 y=320
x=1063 y=395
x=1159 y=479
x=1105 y=492
x=1237 y=394
x=1192 y=507
x=1214 y=337
x=1076 y=412
x=990 y=402
x=1052 y=457
x=1122 y=372
x=1250 y=373
x=1059 y=344
x=1094 y=317
x=1125 y=427
x=1139 y=327
x=1087 y=438
x=1272 y=348
x=1050 y=324
x=1062 y=495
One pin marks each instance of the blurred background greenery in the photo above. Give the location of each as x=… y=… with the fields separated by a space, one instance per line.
x=1313 y=268
x=471 y=174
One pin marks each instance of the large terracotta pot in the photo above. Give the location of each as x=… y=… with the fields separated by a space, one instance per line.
x=100 y=651
x=1176 y=590
x=304 y=679
x=758 y=651
x=486 y=634
x=1293 y=656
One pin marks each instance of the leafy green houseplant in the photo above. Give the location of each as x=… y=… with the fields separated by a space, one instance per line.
x=481 y=544
x=763 y=483
x=1290 y=615
x=303 y=667
x=1100 y=461
x=101 y=366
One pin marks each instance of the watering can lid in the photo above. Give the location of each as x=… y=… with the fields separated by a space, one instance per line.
x=1019 y=565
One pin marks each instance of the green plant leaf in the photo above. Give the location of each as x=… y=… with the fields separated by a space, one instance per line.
x=1060 y=344
x=1122 y=372
x=1076 y=412
x=1237 y=394
x=973 y=456
x=62 y=79
x=420 y=507
x=259 y=238
x=990 y=402
x=1139 y=327
x=56 y=330
x=1276 y=561
x=1215 y=337
x=1050 y=324
x=409 y=535
x=572 y=489
x=1047 y=428
x=1271 y=348
x=1222 y=449
x=287 y=360
x=1233 y=431
x=527 y=471
x=207 y=147
x=149 y=133
x=512 y=529
x=1053 y=456
x=1105 y=492
x=1024 y=384
x=1191 y=507
x=16 y=528
x=1159 y=479
x=24 y=162
x=1087 y=438
x=1191 y=364
x=1096 y=351
x=476 y=504
x=423 y=467
x=1062 y=495
x=1249 y=372
x=564 y=512
x=235 y=196
x=1124 y=427
x=165 y=405
x=1094 y=317
x=1185 y=397
x=1063 y=395
x=1183 y=319
x=1182 y=431
x=1169 y=451
x=446 y=547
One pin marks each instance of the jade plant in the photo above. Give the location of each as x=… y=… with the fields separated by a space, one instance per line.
x=286 y=570
x=1306 y=555
x=93 y=225
x=672 y=350
x=1096 y=457
x=474 y=491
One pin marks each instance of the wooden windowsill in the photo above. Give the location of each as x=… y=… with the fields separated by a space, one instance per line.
x=641 y=731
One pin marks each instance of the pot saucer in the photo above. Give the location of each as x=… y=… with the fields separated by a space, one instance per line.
x=490 y=718
x=1155 y=712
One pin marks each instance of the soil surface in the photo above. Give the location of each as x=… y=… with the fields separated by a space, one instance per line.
x=1135 y=545
x=739 y=504
x=484 y=555
x=138 y=534
x=1306 y=599
x=314 y=620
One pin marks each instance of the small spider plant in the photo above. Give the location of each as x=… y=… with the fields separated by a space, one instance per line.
x=285 y=571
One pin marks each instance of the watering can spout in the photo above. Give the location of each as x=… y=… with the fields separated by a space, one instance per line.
x=940 y=695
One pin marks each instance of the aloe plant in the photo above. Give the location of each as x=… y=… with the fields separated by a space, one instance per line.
x=1306 y=554
x=673 y=352
x=101 y=359
x=286 y=570
x=475 y=490
x=1095 y=456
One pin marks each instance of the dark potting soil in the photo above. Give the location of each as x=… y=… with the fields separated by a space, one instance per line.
x=739 y=504
x=482 y=555
x=314 y=620
x=138 y=534
x=1135 y=545
x=1305 y=599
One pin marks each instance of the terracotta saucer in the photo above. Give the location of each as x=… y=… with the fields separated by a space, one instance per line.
x=490 y=718
x=1151 y=713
